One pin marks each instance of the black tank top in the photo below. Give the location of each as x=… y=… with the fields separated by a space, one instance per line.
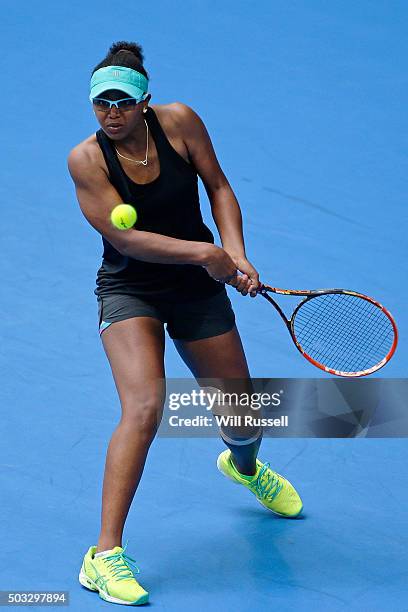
x=168 y=205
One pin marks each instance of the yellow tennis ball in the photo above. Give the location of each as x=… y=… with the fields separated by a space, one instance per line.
x=123 y=216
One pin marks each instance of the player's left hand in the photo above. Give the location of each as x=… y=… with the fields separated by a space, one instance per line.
x=248 y=281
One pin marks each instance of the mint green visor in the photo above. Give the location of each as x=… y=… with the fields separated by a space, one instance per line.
x=125 y=79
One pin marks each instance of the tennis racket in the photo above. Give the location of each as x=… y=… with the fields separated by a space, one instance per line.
x=339 y=331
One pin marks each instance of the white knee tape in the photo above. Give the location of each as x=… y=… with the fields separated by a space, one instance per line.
x=217 y=407
x=225 y=404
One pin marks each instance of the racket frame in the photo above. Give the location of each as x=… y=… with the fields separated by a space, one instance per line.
x=309 y=295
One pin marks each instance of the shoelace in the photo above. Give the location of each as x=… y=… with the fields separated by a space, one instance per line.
x=121 y=565
x=271 y=486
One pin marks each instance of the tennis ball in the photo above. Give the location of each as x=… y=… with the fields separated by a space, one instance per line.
x=123 y=216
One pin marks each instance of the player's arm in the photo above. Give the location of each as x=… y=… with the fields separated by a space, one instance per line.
x=97 y=197
x=224 y=205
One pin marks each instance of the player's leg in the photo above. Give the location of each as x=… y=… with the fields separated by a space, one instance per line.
x=135 y=350
x=219 y=357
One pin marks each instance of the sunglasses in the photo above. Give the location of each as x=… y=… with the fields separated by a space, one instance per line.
x=124 y=103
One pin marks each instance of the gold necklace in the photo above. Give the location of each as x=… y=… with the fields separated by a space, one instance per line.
x=136 y=161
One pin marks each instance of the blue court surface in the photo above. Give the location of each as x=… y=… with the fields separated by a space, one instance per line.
x=305 y=103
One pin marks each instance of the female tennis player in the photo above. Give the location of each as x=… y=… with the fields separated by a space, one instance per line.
x=165 y=270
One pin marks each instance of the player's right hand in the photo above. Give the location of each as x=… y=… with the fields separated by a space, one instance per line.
x=220 y=266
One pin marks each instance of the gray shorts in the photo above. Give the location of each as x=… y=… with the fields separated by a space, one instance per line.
x=192 y=320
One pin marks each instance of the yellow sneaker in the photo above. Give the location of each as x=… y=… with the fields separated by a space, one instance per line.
x=111 y=574
x=270 y=488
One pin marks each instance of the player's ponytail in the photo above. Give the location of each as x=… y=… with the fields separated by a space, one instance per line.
x=123 y=53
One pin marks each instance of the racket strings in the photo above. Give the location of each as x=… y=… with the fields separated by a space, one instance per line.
x=349 y=352
x=343 y=332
